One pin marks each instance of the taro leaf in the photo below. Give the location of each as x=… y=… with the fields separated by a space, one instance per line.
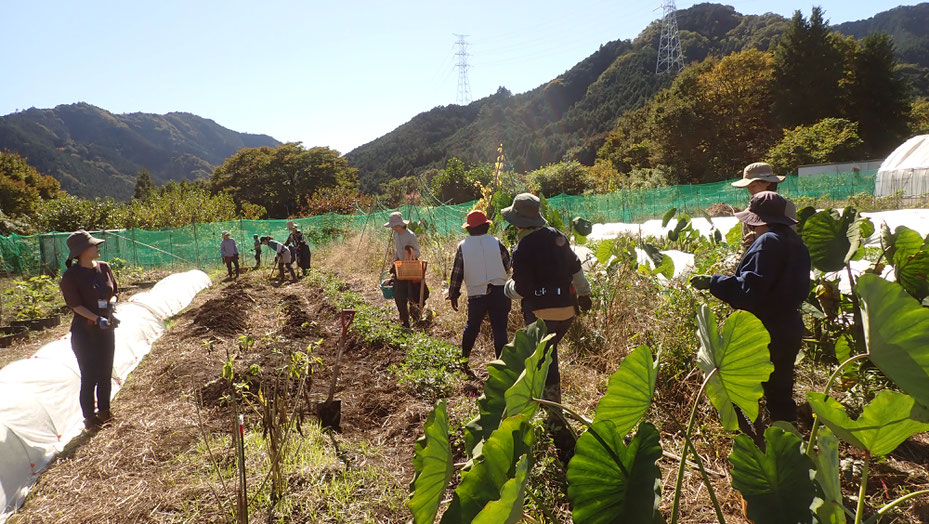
x=653 y=253
x=682 y=222
x=843 y=349
x=905 y=242
x=434 y=467
x=502 y=374
x=832 y=239
x=741 y=357
x=630 y=391
x=605 y=251
x=734 y=235
x=826 y=459
x=531 y=382
x=803 y=215
x=896 y=329
x=865 y=228
x=508 y=509
x=488 y=476
x=666 y=267
x=669 y=214
x=912 y=273
x=602 y=492
x=775 y=484
x=884 y=424
x=888 y=240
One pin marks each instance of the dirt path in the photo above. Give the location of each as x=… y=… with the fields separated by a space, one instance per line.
x=139 y=468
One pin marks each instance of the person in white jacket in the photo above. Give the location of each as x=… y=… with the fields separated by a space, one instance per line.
x=482 y=263
x=230 y=253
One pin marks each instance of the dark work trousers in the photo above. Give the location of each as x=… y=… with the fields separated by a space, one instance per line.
x=282 y=267
x=406 y=291
x=230 y=261
x=496 y=304
x=257 y=258
x=561 y=435
x=786 y=338
x=94 y=348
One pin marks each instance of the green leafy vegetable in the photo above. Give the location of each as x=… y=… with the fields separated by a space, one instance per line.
x=433 y=464
x=776 y=483
x=741 y=357
x=630 y=390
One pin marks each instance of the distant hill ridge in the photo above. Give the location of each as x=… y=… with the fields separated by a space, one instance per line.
x=570 y=115
x=93 y=152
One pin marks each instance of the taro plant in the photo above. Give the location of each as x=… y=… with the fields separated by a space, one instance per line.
x=774 y=482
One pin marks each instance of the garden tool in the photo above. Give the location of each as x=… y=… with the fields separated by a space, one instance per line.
x=330 y=411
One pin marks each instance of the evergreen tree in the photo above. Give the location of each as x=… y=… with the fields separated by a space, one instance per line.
x=809 y=65
x=877 y=96
x=144 y=186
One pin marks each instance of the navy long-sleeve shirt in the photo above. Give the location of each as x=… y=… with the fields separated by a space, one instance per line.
x=771 y=281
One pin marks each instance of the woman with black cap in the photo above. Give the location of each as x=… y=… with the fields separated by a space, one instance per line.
x=89 y=289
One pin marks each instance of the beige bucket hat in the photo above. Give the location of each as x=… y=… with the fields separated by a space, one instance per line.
x=396 y=219
x=757 y=171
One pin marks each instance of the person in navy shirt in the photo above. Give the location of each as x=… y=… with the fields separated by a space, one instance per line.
x=771 y=281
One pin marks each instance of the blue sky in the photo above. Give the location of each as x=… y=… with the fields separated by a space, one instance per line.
x=335 y=74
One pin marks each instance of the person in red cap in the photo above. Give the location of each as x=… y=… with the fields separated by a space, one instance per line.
x=89 y=289
x=482 y=262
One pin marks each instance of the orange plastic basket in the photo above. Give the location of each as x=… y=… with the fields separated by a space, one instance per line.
x=410 y=269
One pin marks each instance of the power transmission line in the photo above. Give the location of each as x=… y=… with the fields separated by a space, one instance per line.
x=670 y=56
x=464 y=87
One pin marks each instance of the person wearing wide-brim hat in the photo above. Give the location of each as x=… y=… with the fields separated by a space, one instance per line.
x=771 y=281
x=301 y=248
x=90 y=289
x=229 y=252
x=758 y=177
x=481 y=263
x=549 y=279
x=405 y=246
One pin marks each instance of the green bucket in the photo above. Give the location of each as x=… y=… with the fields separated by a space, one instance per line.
x=386 y=288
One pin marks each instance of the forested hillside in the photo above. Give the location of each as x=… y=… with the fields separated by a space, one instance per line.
x=93 y=152
x=570 y=117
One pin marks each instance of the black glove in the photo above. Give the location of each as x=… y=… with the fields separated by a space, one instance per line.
x=700 y=281
x=114 y=322
x=454 y=301
x=584 y=303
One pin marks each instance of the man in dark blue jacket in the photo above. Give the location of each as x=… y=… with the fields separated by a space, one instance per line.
x=771 y=281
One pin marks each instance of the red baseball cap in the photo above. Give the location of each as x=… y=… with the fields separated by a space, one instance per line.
x=476 y=218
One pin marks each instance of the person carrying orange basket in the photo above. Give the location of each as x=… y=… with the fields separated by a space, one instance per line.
x=481 y=262
x=406 y=248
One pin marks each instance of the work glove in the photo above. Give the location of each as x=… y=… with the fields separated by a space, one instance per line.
x=584 y=303
x=114 y=322
x=454 y=301
x=700 y=281
x=103 y=323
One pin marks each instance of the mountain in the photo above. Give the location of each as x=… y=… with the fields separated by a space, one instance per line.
x=569 y=116
x=93 y=152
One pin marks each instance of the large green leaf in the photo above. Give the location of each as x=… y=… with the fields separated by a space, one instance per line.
x=682 y=222
x=531 y=382
x=776 y=483
x=905 y=242
x=630 y=390
x=487 y=479
x=508 y=509
x=912 y=272
x=886 y=422
x=502 y=374
x=605 y=251
x=742 y=359
x=669 y=214
x=896 y=329
x=832 y=239
x=433 y=464
x=826 y=460
x=803 y=215
x=600 y=491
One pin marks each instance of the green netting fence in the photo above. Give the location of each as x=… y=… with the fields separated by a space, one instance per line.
x=197 y=245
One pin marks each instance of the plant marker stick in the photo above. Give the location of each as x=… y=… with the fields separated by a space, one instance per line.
x=242 y=491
